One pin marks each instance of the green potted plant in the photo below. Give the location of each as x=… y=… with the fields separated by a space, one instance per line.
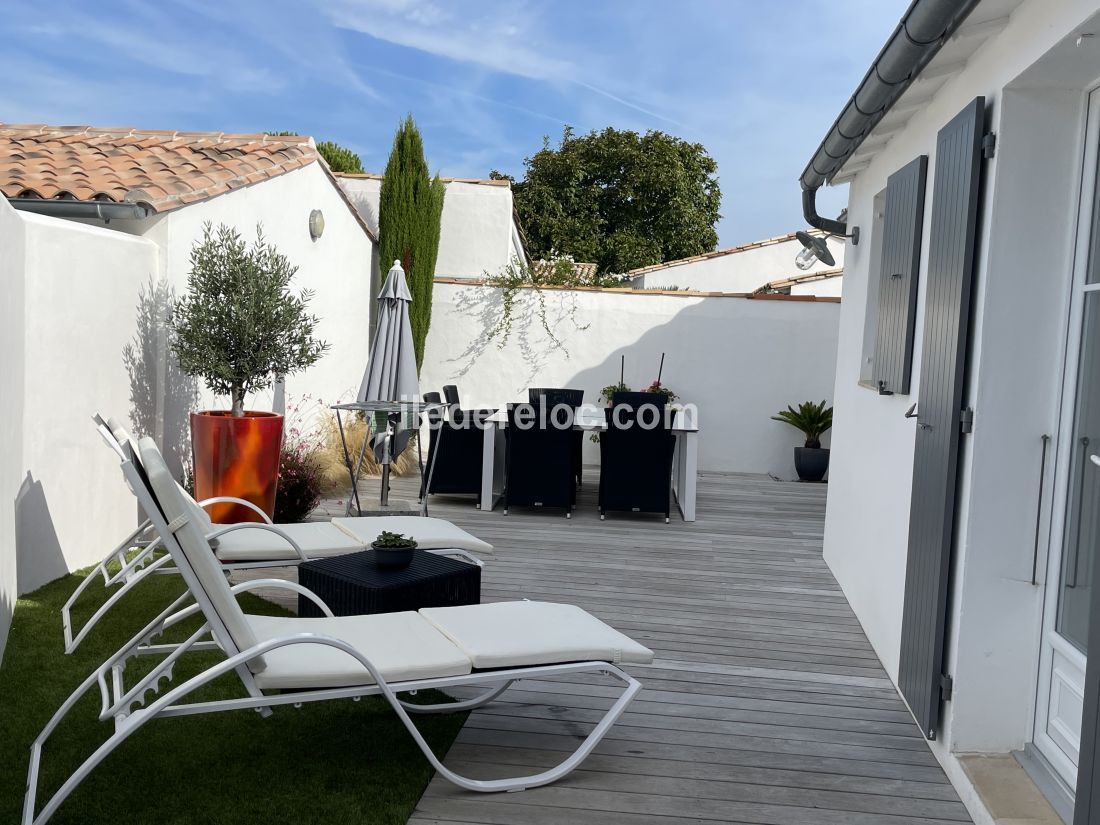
x=608 y=392
x=814 y=420
x=393 y=551
x=239 y=328
x=657 y=388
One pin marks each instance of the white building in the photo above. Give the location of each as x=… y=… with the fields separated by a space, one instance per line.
x=964 y=505
x=478 y=230
x=96 y=226
x=748 y=268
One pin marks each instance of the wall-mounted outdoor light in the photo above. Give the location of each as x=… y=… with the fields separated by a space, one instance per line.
x=814 y=249
x=316 y=224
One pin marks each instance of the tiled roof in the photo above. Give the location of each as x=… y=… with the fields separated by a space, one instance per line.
x=718 y=253
x=163 y=169
x=804 y=278
x=585 y=271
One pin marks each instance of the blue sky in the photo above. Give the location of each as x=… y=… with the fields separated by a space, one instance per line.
x=757 y=83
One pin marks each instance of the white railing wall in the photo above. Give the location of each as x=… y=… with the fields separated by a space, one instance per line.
x=70 y=292
x=738 y=359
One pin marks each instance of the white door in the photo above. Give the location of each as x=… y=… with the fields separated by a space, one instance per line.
x=1075 y=530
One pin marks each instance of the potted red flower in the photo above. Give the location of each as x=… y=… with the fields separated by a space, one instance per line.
x=239 y=328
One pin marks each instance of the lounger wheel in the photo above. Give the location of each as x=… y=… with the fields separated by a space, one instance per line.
x=602 y=516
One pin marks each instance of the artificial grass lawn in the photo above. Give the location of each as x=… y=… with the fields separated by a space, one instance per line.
x=329 y=762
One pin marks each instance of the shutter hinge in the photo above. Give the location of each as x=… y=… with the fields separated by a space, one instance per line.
x=947 y=687
x=989 y=145
x=882 y=388
x=966 y=420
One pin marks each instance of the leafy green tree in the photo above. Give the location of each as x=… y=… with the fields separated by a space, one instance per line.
x=239 y=327
x=618 y=198
x=338 y=158
x=409 y=210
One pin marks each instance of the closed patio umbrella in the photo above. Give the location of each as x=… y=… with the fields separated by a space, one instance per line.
x=391 y=371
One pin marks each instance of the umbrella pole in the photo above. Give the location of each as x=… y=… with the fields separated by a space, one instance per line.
x=386 y=485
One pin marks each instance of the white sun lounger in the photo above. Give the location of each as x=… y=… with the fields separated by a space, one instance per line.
x=251 y=545
x=483 y=646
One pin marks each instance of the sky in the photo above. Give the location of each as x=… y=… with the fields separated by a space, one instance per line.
x=757 y=83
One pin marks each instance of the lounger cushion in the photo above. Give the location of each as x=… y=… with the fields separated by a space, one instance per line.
x=123 y=437
x=319 y=538
x=518 y=634
x=430 y=533
x=192 y=540
x=403 y=646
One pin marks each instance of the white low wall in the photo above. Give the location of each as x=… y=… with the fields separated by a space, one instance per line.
x=70 y=293
x=738 y=359
x=12 y=238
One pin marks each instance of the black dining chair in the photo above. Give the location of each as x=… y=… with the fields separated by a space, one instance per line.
x=450 y=393
x=636 y=453
x=573 y=398
x=454 y=452
x=538 y=457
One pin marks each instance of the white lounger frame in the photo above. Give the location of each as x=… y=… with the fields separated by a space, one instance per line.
x=146 y=562
x=126 y=706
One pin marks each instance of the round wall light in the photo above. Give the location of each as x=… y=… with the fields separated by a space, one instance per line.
x=316 y=224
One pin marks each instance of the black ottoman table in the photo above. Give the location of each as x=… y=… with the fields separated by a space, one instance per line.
x=352 y=584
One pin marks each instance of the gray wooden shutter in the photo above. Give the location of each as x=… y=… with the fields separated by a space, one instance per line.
x=952 y=241
x=897 y=297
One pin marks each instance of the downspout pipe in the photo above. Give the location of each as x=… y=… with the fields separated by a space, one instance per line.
x=103 y=210
x=924 y=28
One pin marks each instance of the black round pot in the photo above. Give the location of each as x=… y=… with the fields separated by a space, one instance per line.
x=392 y=558
x=811 y=462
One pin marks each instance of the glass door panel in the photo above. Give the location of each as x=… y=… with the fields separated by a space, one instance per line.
x=1082 y=525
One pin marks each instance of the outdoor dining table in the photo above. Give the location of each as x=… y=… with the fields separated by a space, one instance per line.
x=685 y=460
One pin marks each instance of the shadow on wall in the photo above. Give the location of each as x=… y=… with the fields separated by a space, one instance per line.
x=38 y=556
x=738 y=360
x=531 y=315
x=161 y=395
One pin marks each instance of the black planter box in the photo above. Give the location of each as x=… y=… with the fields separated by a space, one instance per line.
x=353 y=584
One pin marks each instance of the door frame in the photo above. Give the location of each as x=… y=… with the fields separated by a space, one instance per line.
x=1050 y=642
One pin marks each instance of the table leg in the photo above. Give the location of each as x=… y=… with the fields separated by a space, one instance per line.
x=687 y=471
x=487 y=499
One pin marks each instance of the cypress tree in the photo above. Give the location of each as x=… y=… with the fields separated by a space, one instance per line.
x=409 y=209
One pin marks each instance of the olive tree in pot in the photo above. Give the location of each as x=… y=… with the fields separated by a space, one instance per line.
x=239 y=328
x=814 y=420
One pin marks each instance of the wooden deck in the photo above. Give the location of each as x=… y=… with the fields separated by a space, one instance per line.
x=765 y=704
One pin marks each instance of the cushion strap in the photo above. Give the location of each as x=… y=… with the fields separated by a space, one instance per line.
x=178 y=523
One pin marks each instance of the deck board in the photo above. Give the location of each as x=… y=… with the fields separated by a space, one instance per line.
x=765 y=705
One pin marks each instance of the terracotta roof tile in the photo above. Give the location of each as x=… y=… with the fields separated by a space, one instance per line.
x=718 y=253
x=170 y=168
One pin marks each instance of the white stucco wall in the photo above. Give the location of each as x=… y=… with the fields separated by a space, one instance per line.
x=71 y=291
x=477 y=233
x=337 y=267
x=12 y=370
x=739 y=360
x=1022 y=275
x=825 y=288
x=747 y=270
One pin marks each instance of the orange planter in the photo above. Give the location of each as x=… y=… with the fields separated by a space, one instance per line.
x=236 y=457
